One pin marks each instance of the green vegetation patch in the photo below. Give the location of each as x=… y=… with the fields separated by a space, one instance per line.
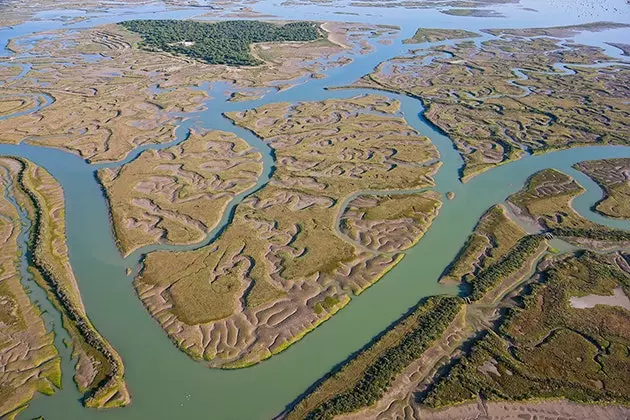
x=547 y=348
x=436 y=35
x=218 y=43
x=513 y=261
x=363 y=380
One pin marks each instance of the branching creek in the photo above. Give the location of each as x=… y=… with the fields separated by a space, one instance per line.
x=164 y=382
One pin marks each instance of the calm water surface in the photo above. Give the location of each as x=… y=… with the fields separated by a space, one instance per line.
x=165 y=383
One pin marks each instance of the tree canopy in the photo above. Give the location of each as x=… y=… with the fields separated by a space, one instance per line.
x=217 y=43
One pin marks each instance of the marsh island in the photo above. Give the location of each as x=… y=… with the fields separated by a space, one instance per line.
x=410 y=209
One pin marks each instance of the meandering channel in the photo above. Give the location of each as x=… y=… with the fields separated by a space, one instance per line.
x=163 y=381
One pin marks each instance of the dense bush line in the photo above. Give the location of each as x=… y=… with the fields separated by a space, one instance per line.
x=596 y=234
x=217 y=43
x=508 y=265
x=378 y=376
x=49 y=273
x=546 y=348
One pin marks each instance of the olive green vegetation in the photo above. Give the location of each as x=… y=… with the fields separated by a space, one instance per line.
x=610 y=175
x=42 y=197
x=29 y=361
x=511 y=263
x=547 y=197
x=596 y=234
x=436 y=35
x=363 y=380
x=548 y=349
x=493 y=237
x=524 y=354
x=492 y=114
x=218 y=43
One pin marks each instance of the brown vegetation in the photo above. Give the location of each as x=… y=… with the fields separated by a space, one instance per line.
x=179 y=194
x=613 y=175
x=29 y=362
x=280 y=268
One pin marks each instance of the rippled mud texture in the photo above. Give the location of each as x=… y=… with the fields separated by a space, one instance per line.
x=510 y=339
x=512 y=95
x=29 y=362
x=613 y=175
x=389 y=223
x=179 y=194
x=546 y=201
x=280 y=267
x=492 y=238
x=111 y=97
x=99 y=370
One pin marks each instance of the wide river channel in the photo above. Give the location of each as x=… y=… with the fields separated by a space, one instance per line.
x=164 y=382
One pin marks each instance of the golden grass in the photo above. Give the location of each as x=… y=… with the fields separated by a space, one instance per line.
x=179 y=194
x=493 y=116
x=612 y=177
x=493 y=237
x=30 y=360
x=281 y=255
x=42 y=197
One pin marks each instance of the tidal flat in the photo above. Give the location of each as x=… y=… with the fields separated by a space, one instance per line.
x=508 y=334
x=411 y=222
x=612 y=175
x=497 y=105
x=109 y=97
x=280 y=268
x=29 y=358
x=99 y=369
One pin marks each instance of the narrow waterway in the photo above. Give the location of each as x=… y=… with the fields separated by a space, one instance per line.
x=163 y=381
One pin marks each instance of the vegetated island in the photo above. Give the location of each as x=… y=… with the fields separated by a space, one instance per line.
x=436 y=35
x=178 y=195
x=424 y=4
x=283 y=265
x=538 y=332
x=30 y=361
x=625 y=48
x=116 y=97
x=389 y=223
x=472 y=12
x=515 y=94
x=99 y=369
x=226 y=42
x=613 y=176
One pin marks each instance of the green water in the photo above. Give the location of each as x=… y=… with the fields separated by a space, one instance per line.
x=165 y=383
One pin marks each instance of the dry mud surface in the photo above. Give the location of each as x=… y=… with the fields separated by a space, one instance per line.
x=29 y=361
x=545 y=410
x=535 y=332
x=613 y=175
x=179 y=194
x=111 y=97
x=507 y=97
x=280 y=267
x=389 y=223
x=99 y=369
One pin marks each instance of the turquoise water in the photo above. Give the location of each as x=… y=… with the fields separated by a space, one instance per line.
x=165 y=383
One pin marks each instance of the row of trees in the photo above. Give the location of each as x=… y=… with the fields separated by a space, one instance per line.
x=508 y=265
x=600 y=234
x=217 y=43
x=48 y=272
x=378 y=376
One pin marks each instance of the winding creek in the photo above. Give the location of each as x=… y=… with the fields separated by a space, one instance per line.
x=163 y=381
